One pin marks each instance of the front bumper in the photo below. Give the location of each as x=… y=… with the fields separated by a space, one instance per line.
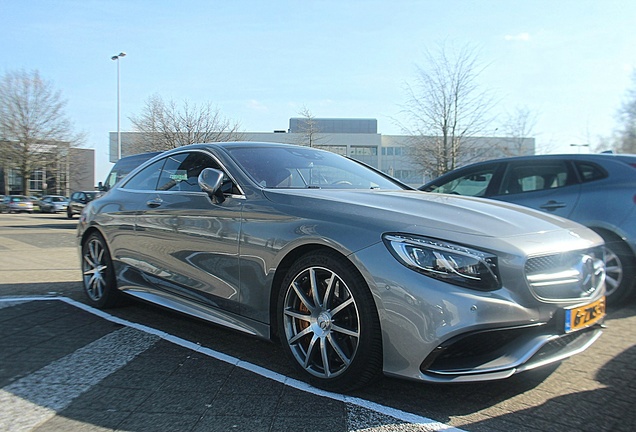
x=496 y=354
x=436 y=332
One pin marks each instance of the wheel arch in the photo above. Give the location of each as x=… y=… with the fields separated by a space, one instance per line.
x=90 y=230
x=281 y=271
x=363 y=364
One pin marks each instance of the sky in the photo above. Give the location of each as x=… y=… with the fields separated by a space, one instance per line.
x=569 y=62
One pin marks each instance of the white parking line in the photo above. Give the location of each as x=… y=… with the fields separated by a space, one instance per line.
x=422 y=423
x=36 y=398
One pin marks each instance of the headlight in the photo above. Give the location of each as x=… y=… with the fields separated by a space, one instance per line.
x=445 y=261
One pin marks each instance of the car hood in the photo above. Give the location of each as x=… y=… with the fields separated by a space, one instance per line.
x=420 y=212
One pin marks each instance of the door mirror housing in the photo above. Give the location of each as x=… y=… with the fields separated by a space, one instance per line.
x=211 y=181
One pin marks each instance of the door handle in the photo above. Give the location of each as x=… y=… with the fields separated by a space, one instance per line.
x=552 y=205
x=153 y=203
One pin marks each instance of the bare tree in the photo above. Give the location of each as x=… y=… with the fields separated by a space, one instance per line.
x=32 y=123
x=166 y=125
x=517 y=128
x=308 y=129
x=626 y=135
x=445 y=107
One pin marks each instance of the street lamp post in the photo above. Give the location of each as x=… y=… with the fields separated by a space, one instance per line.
x=116 y=58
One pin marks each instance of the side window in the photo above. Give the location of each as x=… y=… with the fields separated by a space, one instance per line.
x=145 y=179
x=590 y=172
x=181 y=171
x=533 y=176
x=474 y=183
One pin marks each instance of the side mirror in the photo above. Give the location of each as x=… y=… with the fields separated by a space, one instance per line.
x=211 y=181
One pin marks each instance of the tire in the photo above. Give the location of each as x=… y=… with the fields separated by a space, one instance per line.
x=333 y=338
x=69 y=214
x=620 y=271
x=98 y=275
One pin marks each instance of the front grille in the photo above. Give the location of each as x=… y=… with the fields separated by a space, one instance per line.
x=548 y=263
x=566 y=276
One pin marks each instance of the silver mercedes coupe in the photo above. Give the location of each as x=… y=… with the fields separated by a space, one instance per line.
x=355 y=273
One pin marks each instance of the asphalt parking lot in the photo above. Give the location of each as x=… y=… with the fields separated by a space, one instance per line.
x=65 y=366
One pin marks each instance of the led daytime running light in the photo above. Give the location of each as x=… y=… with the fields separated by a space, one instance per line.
x=449 y=262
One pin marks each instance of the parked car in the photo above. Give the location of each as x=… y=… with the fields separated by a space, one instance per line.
x=596 y=190
x=78 y=201
x=123 y=167
x=16 y=204
x=352 y=271
x=53 y=204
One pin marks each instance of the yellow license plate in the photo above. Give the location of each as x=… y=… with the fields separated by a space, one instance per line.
x=584 y=316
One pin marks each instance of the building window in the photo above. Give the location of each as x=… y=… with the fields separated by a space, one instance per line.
x=408 y=176
x=15 y=181
x=341 y=150
x=36 y=181
x=392 y=151
x=364 y=151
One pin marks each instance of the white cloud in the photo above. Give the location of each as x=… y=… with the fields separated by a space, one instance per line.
x=523 y=37
x=255 y=105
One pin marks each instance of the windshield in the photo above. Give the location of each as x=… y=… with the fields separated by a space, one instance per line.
x=284 y=168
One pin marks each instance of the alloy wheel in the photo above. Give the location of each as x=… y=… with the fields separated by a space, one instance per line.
x=613 y=271
x=321 y=322
x=94 y=268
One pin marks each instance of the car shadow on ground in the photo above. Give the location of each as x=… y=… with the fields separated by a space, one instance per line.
x=72 y=290
x=444 y=401
x=70 y=225
x=615 y=401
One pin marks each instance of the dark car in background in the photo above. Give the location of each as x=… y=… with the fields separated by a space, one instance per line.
x=16 y=204
x=354 y=273
x=123 y=167
x=78 y=201
x=596 y=190
x=53 y=204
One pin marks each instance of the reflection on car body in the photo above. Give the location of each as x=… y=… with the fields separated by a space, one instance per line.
x=354 y=273
x=596 y=190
